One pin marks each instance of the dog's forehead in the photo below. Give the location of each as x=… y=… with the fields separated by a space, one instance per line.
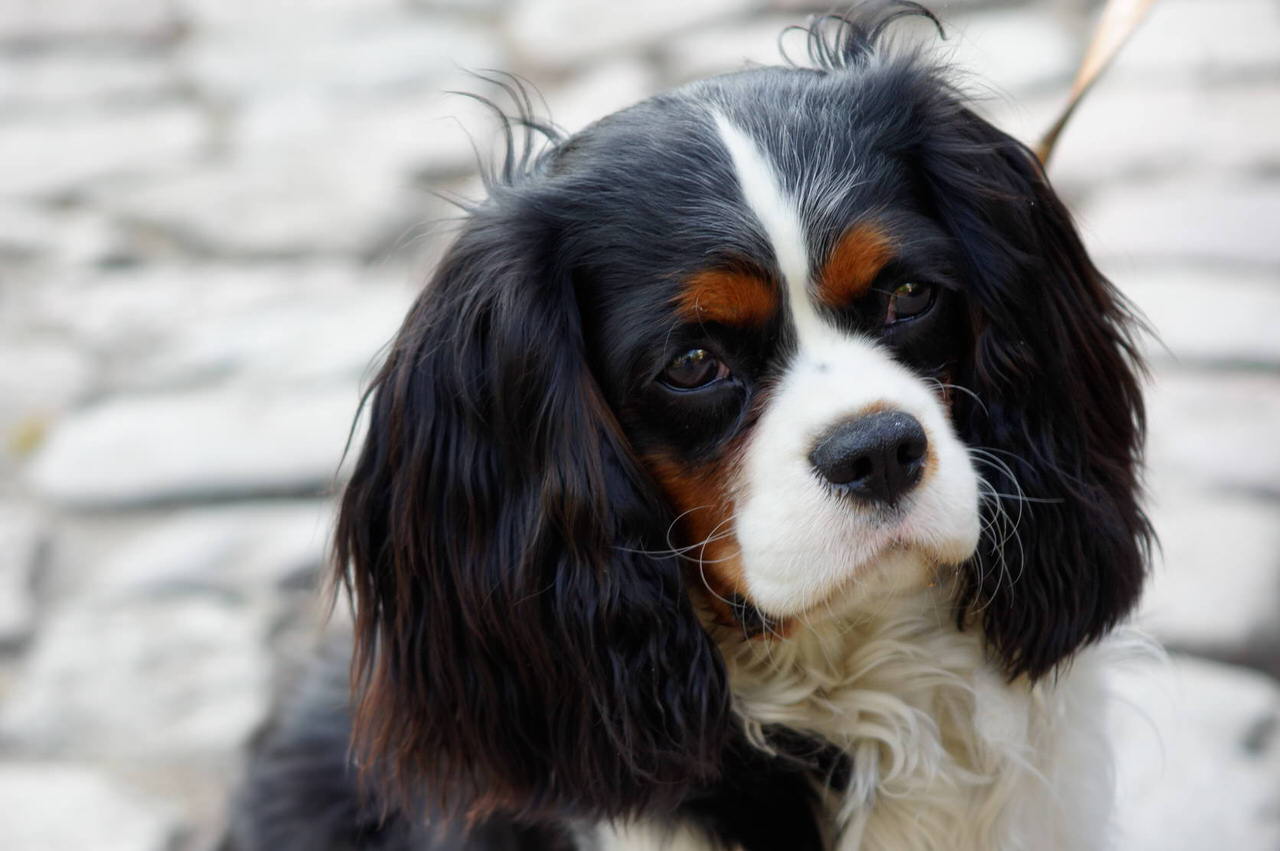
x=831 y=137
x=660 y=193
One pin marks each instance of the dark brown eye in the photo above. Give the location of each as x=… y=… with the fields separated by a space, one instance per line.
x=908 y=300
x=694 y=368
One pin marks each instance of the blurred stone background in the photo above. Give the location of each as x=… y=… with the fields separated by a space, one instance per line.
x=213 y=214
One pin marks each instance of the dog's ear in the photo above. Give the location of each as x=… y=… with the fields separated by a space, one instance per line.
x=519 y=648
x=1056 y=416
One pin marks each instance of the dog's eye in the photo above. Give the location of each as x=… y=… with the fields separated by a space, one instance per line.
x=694 y=368
x=908 y=300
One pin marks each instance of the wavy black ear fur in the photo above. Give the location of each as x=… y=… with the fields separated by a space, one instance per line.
x=1056 y=406
x=517 y=650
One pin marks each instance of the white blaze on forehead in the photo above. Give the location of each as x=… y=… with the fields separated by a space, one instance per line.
x=777 y=214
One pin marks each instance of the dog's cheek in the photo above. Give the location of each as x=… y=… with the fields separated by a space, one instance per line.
x=702 y=501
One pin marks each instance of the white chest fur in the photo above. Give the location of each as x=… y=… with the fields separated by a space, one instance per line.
x=946 y=754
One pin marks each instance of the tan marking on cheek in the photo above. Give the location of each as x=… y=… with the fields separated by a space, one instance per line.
x=853 y=264
x=704 y=506
x=930 y=468
x=947 y=389
x=947 y=400
x=728 y=297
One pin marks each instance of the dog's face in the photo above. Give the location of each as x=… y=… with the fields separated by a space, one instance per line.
x=785 y=342
x=775 y=313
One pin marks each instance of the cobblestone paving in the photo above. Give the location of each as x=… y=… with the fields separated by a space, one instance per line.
x=213 y=214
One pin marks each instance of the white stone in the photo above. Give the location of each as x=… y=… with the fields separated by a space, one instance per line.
x=1215 y=584
x=232 y=549
x=37 y=21
x=56 y=154
x=604 y=89
x=35 y=235
x=352 y=56
x=1216 y=428
x=472 y=7
x=276 y=15
x=730 y=47
x=19 y=539
x=1206 y=314
x=941 y=7
x=304 y=339
x=1129 y=131
x=1199 y=759
x=1026 y=118
x=41 y=377
x=274 y=205
x=1011 y=50
x=412 y=133
x=25 y=234
x=1191 y=40
x=53 y=806
x=175 y=325
x=558 y=34
x=59 y=81
x=240 y=440
x=1186 y=218
x=171 y=676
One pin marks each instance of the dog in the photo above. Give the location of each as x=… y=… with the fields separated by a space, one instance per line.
x=760 y=469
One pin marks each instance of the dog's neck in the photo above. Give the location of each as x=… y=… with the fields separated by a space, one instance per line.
x=943 y=751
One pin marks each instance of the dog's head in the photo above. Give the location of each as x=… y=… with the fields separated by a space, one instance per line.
x=776 y=344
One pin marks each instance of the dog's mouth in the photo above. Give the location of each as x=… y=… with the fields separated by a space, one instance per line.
x=852 y=566
x=901 y=567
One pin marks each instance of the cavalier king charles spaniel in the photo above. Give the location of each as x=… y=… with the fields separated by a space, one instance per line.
x=759 y=470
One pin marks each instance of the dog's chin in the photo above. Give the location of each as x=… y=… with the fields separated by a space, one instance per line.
x=867 y=587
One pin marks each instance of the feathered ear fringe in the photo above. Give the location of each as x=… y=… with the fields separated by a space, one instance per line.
x=517 y=649
x=1057 y=417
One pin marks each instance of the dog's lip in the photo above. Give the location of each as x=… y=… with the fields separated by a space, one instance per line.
x=845 y=589
x=855 y=571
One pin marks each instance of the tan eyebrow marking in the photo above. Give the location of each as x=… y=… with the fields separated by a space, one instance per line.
x=727 y=296
x=858 y=256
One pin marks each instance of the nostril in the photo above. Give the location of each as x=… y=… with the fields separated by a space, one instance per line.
x=911 y=451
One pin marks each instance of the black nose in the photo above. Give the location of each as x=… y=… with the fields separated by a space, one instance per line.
x=878 y=457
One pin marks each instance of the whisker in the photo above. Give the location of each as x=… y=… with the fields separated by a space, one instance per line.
x=1030 y=499
x=942 y=385
x=1001 y=524
x=679 y=552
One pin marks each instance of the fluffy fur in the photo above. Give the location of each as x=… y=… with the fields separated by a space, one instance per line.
x=613 y=586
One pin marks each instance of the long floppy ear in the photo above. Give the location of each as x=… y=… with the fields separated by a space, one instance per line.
x=518 y=649
x=1056 y=406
